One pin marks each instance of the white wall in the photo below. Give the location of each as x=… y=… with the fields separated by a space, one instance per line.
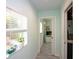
x=26 y=9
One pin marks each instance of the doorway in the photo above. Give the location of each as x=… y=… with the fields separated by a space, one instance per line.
x=47 y=35
x=69 y=32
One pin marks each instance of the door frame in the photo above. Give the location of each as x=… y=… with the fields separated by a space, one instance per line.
x=41 y=18
x=65 y=29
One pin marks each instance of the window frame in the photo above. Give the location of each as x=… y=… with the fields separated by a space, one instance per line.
x=17 y=30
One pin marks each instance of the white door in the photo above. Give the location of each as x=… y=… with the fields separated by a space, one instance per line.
x=53 y=37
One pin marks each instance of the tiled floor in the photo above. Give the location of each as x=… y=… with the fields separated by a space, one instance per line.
x=45 y=52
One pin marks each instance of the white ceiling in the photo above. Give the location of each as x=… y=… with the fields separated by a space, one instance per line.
x=46 y=4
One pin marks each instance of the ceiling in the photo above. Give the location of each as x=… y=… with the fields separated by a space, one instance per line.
x=43 y=5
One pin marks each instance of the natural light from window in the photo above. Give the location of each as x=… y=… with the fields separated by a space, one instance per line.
x=16 y=31
x=40 y=27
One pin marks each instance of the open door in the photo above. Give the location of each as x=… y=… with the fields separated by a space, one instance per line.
x=68 y=43
x=49 y=34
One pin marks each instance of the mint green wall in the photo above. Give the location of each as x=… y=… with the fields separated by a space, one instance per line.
x=56 y=13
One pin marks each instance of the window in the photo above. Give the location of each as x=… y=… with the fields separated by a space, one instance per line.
x=16 y=31
x=40 y=27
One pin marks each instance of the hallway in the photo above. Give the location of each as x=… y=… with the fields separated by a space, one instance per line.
x=24 y=33
x=45 y=52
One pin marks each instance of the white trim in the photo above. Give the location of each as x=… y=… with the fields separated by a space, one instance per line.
x=16 y=30
x=67 y=3
x=65 y=36
x=65 y=29
x=64 y=8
